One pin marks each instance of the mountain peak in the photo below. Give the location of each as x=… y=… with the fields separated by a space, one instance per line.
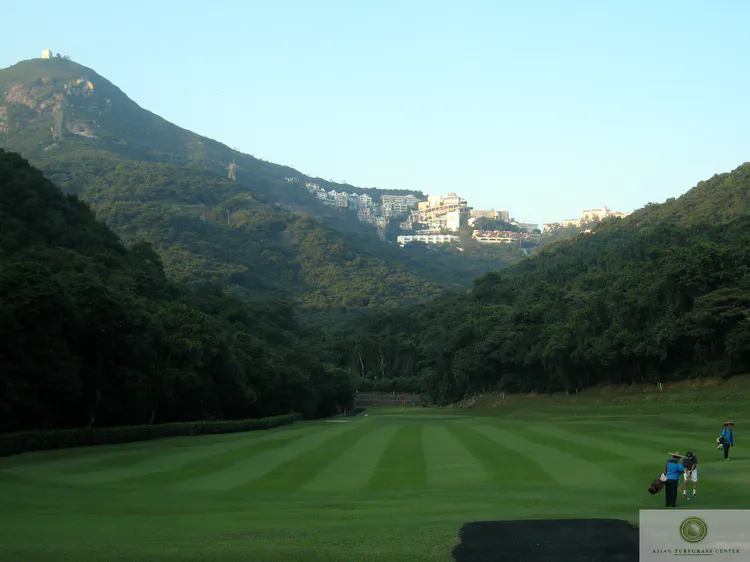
x=55 y=104
x=47 y=100
x=37 y=69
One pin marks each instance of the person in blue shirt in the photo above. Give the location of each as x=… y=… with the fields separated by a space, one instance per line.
x=727 y=436
x=673 y=470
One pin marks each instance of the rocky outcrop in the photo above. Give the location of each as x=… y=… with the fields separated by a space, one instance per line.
x=82 y=129
x=41 y=95
x=79 y=87
x=20 y=94
x=55 y=103
x=46 y=96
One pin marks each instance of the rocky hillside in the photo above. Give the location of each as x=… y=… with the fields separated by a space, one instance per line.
x=152 y=180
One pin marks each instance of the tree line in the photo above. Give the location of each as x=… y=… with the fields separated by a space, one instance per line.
x=660 y=295
x=93 y=333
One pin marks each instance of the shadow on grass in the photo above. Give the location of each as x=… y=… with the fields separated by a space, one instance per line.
x=561 y=540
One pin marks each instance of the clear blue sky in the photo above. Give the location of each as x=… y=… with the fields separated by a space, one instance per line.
x=539 y=108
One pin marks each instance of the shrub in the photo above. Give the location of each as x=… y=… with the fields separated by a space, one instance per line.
x=41 y=440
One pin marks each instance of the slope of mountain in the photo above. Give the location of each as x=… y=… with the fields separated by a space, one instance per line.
x=718 y=199
x=152 y=180
x=660 y=295
x=92 y=333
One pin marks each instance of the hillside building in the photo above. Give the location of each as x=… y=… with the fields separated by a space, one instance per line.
x=428 y=239
x=571 y=222
x=342 y=199
x=590 y=215
x=587 y=216
x=447 y=213
x=502 y=236
x=398 y=204
x=491 y=214
x=527 y=226
x=47 y=53
x=595 y=215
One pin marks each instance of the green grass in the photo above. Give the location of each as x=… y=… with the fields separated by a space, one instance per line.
x=395 y=485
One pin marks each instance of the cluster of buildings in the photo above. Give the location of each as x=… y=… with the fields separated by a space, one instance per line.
x=588 y=216
x=438 y=219
x=429 y=221
x=367 y=209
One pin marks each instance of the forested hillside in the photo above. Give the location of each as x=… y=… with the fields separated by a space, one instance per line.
x=196 y=304
x=93 y=333
x=660 y=295
x=151 y=180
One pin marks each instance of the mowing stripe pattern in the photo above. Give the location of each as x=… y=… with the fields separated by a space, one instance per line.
x=382 y=454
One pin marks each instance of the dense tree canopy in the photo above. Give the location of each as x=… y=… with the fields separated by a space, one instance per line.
x=660 y=295
x=151 y=180
x=92 y=332
x=193 y=297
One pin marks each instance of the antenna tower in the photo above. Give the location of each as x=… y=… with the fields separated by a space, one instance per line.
x=57 y=130
x=232 y=166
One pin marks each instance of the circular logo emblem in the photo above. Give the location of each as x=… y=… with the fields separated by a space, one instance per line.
x=693 y=529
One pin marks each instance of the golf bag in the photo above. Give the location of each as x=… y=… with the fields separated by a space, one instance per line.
x=720 y=443
x=655 y=486
x=658 y=483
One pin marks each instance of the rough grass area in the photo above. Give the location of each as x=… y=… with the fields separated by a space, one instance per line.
x=392 y=485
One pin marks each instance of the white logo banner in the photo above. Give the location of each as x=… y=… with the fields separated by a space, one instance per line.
x=715 y=534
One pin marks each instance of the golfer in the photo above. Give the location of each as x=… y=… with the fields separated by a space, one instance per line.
x=728 y=438
x=690 y=463
x=673 y=470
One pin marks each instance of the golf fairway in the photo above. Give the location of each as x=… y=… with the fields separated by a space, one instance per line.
x=395 y=485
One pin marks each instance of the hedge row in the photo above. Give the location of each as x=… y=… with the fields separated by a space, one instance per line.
x=41 y=440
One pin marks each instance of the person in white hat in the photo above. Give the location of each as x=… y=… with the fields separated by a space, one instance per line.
x=727 y=438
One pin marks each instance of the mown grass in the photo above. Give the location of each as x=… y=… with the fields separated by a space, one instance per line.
x=395 y=485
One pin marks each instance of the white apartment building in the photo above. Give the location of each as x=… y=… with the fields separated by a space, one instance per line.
x=428 y=239
x=493 y=237
x=528 y=226
x=441 y=212
x=365 y=214
x=342 y=199
x=491 y=214
x=571 y=222
x=398 y=204
x=448 y=221
x=436 y=203
x=591 y=215
x=502 y=236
